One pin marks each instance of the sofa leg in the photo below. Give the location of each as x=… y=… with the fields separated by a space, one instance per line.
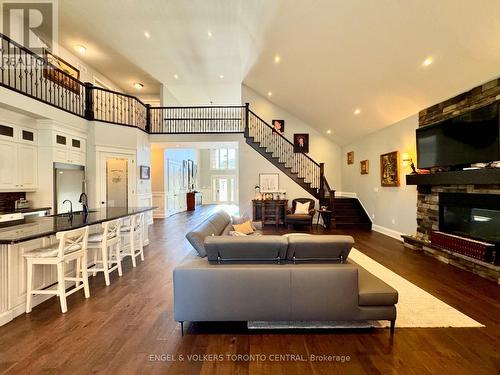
x=393 y=324
x=182 y=329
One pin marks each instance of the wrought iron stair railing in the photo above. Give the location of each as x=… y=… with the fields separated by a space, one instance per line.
x=299 y=166
x=27 y=73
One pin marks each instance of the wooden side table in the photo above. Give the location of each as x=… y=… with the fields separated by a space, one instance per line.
x=326 y=215
x=270 y=211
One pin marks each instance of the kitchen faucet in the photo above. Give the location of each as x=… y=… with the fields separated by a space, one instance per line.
x=84 y=201
x=70 y=207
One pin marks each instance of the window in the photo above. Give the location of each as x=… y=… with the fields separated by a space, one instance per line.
x=223 y=158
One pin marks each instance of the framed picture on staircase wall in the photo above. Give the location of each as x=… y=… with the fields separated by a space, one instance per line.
x=269 y=182
x=279 y=126
x=301 y=143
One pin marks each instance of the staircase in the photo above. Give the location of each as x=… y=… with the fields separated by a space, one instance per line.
x=280 y=152
x=349 y=213
x=304 y=171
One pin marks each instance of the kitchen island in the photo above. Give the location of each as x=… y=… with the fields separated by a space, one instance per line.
x=36 y=232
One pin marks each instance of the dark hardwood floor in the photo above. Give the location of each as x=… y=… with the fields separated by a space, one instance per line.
x=128 y=327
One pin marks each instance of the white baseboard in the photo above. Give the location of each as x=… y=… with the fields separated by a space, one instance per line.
x=9 y=315
x=346 y=194
x=388 y=232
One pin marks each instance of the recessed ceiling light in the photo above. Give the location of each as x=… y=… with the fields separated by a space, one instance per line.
x=138 y=85
x=357 y=111
x=147 y=35
x=328 y=132
x=428 y=61
x=269 y=93
x=221 y=76
x=277 y=59
x=80 y=49
x=176 y=76
x=209 y=33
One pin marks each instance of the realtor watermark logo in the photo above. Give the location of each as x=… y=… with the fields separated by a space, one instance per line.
x=33 y=24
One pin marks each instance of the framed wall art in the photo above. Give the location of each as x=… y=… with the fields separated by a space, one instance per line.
x=269 y=182
x=279 y=126
x=145 y=172
x=364 y=164
x=55 y=70
x=389 y=169
x=301 y=143
x=350 y=157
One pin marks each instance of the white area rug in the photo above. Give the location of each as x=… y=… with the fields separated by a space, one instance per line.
x=416 y=307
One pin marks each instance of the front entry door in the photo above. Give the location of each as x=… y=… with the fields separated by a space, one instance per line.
x=223 y=189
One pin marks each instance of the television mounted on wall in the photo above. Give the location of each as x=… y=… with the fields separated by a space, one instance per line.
x=472 y=137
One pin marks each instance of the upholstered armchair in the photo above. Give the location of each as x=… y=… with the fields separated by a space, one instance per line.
x=301 y=219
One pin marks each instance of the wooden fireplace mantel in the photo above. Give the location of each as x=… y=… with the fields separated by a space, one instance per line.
x=489 y=176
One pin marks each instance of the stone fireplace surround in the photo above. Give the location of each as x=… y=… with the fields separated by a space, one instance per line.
x=428 y=196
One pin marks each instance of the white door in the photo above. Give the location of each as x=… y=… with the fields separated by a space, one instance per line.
x=224 y=189
x=174 y=181
x=27 y=166
x=117 y=180
x=8 y=165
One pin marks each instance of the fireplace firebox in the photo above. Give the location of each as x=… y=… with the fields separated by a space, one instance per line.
x=475 y=216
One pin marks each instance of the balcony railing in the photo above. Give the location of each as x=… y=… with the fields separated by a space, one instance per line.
x=199 y=120
x=117 y=108
x=29 y=74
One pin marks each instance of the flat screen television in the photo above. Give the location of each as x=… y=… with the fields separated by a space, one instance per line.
x=462 y=140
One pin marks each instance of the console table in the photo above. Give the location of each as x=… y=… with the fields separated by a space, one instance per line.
x=193 y=199
x=270 y=211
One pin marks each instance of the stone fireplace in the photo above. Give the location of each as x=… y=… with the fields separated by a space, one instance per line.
x=475 y=216
x=428 y=202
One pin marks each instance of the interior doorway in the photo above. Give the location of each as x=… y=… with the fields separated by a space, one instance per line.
x=224 y=189
x=117 y=180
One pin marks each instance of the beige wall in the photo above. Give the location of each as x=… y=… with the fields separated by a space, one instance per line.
x=392 y=209
x=157 y=169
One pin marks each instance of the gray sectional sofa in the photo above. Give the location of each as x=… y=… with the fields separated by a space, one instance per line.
x=276 y=278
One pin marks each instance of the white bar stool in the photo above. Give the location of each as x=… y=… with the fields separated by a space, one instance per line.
x=72 y=246
x=133 y=237
x=108 y=244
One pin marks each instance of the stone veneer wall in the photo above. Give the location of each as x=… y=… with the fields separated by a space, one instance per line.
x=477 y=97
x=428 y=201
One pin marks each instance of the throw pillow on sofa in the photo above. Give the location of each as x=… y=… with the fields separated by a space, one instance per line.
x=236 y=234
x=302 y=208
x=241 y=219
x=245 y=228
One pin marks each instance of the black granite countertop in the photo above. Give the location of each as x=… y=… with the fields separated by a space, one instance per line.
x=37 y=227
x=25 y=210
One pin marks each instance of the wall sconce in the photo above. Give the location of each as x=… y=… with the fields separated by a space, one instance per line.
x=407 y=160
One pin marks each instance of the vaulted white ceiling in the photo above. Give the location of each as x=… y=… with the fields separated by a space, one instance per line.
x=335 y=55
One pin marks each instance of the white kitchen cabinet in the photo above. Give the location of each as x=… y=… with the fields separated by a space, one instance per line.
x=8 y=165
x=69 y=157
x=27 y=166
x=18 y=166
x=68 y=149
x=18 y=159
